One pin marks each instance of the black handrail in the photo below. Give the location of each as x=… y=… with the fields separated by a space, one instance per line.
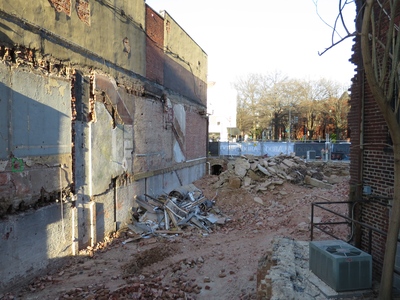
x=350 y=221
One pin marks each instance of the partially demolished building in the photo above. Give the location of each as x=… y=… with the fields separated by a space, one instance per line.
x=100 y=101
x=372 y=164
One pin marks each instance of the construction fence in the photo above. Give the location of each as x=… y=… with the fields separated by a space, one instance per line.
x=309 y=150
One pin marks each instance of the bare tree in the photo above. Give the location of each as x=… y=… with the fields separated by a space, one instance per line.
x=258 y=101
x=248 y=99
x=317 y=107
x=339 y=108
x=289 y=108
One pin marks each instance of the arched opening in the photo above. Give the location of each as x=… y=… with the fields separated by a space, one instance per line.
x=216 y=169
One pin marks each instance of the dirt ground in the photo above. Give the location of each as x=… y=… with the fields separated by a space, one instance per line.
x=221 y=264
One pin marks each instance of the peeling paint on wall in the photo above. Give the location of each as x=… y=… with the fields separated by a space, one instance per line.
x=52 y=83
x=62 y=6
x=57 y=100
x=83 y=11
x=127 y=46
x=178 y=154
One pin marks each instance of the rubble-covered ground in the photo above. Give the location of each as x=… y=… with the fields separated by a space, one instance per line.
x=257 y=198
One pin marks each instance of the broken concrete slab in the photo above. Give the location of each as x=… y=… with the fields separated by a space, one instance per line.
x=271 y=170
x=139 y=228
x=253 y=175
x=282 y=176
x=247 y=181
x=253 y=165
x=277 y=170
x=259 y=200
x=334 y=179
x=241 y=167
x=289 y=163
x=235 y=182
x=277 y=182
x=317 y=183
x=263 y=170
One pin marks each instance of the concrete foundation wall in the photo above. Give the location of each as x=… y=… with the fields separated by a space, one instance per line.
x=107 y=147
x=113 y=162
x=82 y=131
x=106 y=221
x=124 y=201
x=107 y=36
x=36 y=138
x=34 y=241
x=170 y=180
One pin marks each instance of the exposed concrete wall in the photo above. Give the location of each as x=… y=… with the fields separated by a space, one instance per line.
x=66 y=36
x=105 y=214
x=124 y=201
x=153 y=137
x=166 y=182
x=183 y=49
x=188 y=175
x=185 y=67
x=107 y=148
x=195 y=137
x=36 y=138
x=33 y=241
x=80 y=122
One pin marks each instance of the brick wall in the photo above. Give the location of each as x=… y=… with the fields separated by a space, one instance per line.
x=170 y=68
x=354 y=121
x=371 y=161
x=379 y=172
x=375 y=214
x=154 y=46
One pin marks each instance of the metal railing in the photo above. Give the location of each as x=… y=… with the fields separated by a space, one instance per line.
x=319 y=224
x=350 y=221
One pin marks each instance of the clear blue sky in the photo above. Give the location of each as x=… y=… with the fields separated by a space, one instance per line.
x=264 y=36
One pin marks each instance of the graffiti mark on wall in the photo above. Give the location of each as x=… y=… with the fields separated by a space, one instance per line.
x=17 y=165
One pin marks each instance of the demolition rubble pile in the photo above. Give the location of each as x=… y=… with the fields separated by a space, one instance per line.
x=266 y=174
x=186 y=206
x=198 y=265
x=183 y=207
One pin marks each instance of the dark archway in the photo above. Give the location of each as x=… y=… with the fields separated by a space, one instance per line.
x=216 y=169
